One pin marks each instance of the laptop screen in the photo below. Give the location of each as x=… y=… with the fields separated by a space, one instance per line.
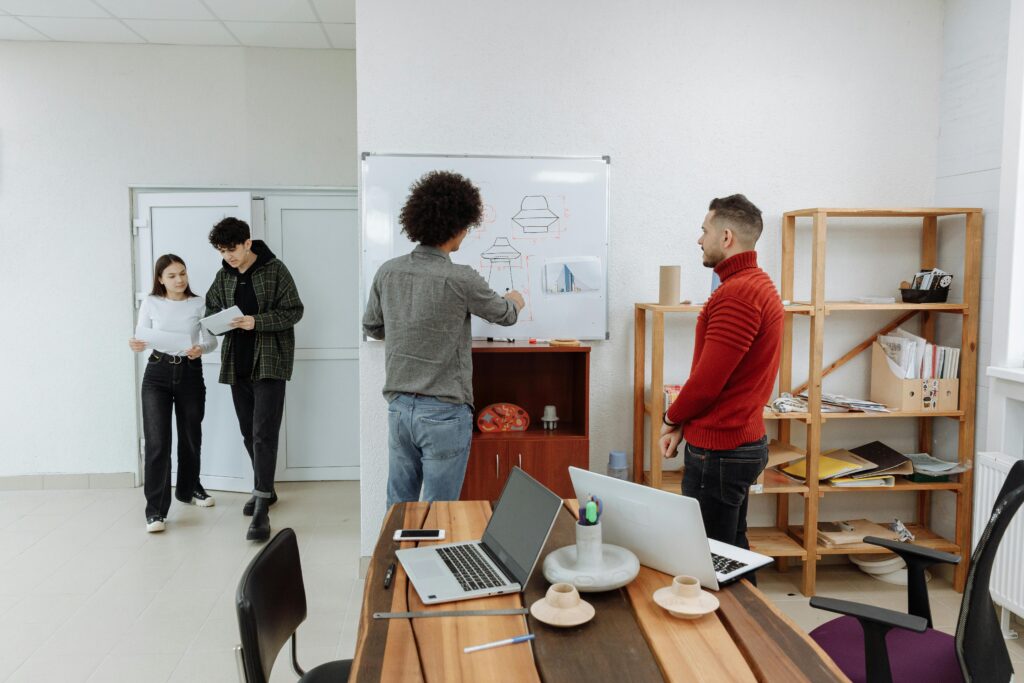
x=520 y=523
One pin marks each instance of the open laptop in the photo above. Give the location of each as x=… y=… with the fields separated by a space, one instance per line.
x=502 y=561
x=665 y=530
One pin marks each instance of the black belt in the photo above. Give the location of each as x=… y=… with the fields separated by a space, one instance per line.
x=168 y=358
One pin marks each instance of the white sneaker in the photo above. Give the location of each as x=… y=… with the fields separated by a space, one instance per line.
x=154 y=524
x=201 y=498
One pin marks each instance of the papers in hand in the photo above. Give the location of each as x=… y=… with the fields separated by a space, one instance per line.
x=219 y=323
x=176 y=343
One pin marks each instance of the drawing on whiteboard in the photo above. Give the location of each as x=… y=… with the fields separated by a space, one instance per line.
x=572 y=276
x=501 y=256
x=534 y=215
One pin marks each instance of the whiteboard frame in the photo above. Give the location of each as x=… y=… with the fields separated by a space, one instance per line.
x=364 y=156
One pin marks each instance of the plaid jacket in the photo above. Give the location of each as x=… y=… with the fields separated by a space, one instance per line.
x=280 y=308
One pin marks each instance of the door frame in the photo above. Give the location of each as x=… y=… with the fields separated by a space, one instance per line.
x=257 y=194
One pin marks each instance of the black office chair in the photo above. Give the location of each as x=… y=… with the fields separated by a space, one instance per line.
x=861 y=642
x=271 y=602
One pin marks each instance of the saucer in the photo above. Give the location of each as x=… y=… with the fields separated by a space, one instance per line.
x=685 y=609
x=544 y=612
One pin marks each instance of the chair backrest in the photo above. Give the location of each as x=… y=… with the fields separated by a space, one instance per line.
x=271 y=603
x=980 y=646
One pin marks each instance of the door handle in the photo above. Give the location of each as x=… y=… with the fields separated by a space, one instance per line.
x=497 y=471
x=520 y=461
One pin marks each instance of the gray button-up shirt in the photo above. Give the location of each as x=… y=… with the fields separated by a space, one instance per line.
x=420 y=306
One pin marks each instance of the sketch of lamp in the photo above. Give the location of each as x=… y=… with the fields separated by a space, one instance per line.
x=534 y=214
x=501 y=253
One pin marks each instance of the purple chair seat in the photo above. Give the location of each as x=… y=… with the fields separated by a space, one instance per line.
x=928 y=657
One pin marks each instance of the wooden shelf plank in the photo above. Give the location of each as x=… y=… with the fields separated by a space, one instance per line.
x=892 y=414
x=774 y=482
x=883 y=213
x=898 y=306
x=901 y=484
x=799 y=307
x=923 y=536
x=774 y=543
x=770 y=414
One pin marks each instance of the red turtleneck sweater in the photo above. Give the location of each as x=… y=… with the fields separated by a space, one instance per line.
x=735 y=359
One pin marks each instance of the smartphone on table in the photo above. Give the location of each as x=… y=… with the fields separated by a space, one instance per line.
x=419 y=535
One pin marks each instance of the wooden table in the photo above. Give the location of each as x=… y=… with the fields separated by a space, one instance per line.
x=630 y=638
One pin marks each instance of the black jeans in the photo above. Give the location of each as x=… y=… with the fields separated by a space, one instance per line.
x=171 y=382
x=260 y=406
x=720 y=481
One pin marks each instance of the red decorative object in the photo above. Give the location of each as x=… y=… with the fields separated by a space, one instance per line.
x=503 y=417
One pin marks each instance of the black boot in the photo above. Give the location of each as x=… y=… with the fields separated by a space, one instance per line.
x=250 y=505
x=259 y=530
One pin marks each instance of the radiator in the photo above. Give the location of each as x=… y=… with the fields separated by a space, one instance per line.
x=1007 y=585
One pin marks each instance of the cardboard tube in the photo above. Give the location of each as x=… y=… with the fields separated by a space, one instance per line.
x=668 y=291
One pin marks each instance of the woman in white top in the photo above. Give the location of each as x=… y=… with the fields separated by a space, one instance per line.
x=169 y=319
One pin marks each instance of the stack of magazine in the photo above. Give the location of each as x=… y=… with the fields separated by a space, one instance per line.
x=871 y=465
x=912 y=357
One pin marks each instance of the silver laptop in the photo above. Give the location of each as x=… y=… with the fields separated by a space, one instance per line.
x=502 y=561
x=665 y=530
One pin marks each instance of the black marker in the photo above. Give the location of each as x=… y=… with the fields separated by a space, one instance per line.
x=388 y=574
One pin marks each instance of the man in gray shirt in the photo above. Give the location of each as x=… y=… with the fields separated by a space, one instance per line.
x=420 y=305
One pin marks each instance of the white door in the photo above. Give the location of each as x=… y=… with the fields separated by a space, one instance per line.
x=179 y=223
x=317 y=237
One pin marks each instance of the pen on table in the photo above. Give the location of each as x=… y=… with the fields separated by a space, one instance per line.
x=499 y=643
x=388 y=575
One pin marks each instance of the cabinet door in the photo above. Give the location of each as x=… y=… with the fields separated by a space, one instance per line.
x=486 y=471
x=548 y=461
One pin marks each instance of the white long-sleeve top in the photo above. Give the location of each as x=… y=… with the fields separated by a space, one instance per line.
x=181 y=317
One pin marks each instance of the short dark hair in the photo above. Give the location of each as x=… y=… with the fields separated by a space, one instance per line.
x=229 y=233
x=739 y=214
x=158 y=271
x=441 y=204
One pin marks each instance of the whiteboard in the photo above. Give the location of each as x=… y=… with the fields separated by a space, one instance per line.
x=544 y=233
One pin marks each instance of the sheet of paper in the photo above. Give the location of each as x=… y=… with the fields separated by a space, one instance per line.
x=219 y=323
x=168 y=342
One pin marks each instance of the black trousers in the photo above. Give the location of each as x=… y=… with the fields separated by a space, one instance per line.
x=171 y=383
x=259 y=406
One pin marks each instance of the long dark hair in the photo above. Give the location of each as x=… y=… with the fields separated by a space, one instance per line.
x=158 y=270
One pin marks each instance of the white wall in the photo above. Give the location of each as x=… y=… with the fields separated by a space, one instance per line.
x=79 y=124
x=970 y=148
x=796 y=104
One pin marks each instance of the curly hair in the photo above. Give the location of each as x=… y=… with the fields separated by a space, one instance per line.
x=229 y=233
x=441 y=204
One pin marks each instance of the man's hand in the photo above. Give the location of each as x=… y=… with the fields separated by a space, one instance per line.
x=669 y=441
x=136 y=344
x=245 y=322
x=516 y=298
x=194 y=352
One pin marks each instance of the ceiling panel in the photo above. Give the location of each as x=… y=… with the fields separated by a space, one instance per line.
x=264 y=34
x=84 y=30
x=343 y=36
x=336 y=11
x=12 y=29
x=183 y=10
x=53 y=8
x=182 y=32
x=262 y=10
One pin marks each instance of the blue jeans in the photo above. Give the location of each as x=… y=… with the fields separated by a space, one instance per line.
x=428 y=447
x=720 y=481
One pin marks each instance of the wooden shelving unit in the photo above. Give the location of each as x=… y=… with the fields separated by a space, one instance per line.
x=785 y=541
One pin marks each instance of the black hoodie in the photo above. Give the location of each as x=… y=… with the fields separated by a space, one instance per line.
x=245 y=299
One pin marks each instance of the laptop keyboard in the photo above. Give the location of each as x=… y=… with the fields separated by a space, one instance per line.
x=467 y=564
x=725 y=565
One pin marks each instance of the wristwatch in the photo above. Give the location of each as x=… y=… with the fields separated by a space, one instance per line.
x=664 y=419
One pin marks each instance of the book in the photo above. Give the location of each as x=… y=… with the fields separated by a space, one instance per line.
x=851 y=532
x=853 y=482
x=828 y=467
x=888 y=460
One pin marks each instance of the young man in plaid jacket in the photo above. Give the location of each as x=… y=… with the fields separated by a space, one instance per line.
x=257 y=356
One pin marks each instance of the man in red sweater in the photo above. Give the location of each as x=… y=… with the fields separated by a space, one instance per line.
x=735 y=361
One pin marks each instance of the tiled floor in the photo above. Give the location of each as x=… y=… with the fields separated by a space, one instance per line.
x=87 y=595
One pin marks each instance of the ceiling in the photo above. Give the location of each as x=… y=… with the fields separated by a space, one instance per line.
x=312 y=24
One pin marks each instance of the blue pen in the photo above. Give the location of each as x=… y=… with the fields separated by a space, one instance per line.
x=499 y=643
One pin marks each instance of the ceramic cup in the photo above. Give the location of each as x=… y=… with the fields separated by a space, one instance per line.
x=563 y=596
x=562 y=606
x=686 y=588
x=589 y=554
x=550 y=413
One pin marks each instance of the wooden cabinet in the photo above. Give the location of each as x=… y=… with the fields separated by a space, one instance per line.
x=530 y=376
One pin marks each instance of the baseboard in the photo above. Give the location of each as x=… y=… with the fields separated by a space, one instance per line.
x=40 y=482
